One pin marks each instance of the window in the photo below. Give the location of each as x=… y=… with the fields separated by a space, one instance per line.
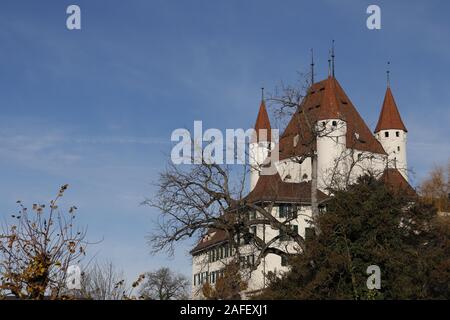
x=284 y=261
x=397 y=134
x=247 y=261
x=227 y=248
x=359 y=156
x=305 y=176
x=334 y=123
x=386 y=134
x=247 y=237
x=252 y=215
x=283 y=211
x=203 y=277
x=288 y=211
x=253 y=230
x=398 y=148
x=296 y=139
x=251 y=260
x=286 y=237
x=221 y=252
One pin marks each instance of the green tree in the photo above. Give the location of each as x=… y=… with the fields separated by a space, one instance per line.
x=369 y=225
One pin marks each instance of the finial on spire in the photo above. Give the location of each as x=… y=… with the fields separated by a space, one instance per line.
x=332 y=58
x=329 y=63
x=262 y=93
x=312 y=66
x=388 y=79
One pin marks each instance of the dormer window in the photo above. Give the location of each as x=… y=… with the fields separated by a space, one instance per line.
x=386 y=134
x=296 y=138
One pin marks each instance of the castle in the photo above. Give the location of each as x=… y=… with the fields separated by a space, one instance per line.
x=345 y=149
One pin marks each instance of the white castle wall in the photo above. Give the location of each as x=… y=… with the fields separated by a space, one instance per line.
x=257 y=279
x=331 y=145
x=258 y=152
x=395 y=147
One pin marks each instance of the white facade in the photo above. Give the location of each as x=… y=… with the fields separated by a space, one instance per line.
x=394 y=143
x=206 y=266
x=258 y=152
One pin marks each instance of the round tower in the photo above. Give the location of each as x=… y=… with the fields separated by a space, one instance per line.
x=392 y=134
x=332 y=129
x=260 y=144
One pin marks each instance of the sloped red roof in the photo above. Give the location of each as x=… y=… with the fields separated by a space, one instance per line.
x=272 y=188
x=269 y=188
x=263 y=122
x=395 y=181
x=329 y=103
x=326 y=100
x=389 y=116
x=213 y=237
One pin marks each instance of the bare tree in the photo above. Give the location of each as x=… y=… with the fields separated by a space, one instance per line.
x=210 y=196
x=37 y=249
x=164 y=284
x=103 y=282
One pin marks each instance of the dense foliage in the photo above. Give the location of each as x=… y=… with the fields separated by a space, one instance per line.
x=369 y=225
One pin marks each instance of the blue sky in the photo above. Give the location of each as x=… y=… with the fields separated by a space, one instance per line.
x=95 y=108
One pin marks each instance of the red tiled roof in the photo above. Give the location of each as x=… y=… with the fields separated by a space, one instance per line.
x=268 y=189
x=395 y=181
x=263 y=122
x=389 y=116
x=213 y=237
x=272 y=188
x=329 y=103
x=326 y=100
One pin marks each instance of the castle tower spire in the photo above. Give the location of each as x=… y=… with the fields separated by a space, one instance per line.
x=262 y=121
x=260 y=143
x=391 y=132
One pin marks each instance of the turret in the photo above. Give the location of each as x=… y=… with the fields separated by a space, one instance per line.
x=392 y=134
x=332 y=129
x=260 y=144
